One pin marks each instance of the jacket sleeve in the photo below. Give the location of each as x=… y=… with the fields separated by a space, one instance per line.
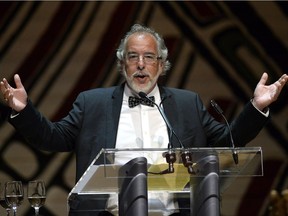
x=43 y=134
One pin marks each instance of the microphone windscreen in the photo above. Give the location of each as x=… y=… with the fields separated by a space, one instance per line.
x=142 y=94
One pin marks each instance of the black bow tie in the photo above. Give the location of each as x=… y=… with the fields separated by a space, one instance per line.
x=134 y=101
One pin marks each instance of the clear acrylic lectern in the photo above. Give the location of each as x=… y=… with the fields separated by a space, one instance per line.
x=161 y=181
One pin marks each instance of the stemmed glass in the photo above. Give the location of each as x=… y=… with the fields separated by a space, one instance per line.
x=36 y=194
x=3 y=202
x=14 y=195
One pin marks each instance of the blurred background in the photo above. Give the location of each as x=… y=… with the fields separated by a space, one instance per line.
x=218 y=49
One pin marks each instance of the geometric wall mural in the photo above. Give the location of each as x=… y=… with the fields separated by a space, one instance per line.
x=218 y=49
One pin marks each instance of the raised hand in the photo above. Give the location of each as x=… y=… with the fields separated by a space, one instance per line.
x=16 y=98
x=264 y=94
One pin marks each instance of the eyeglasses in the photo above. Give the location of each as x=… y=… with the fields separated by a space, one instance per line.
x=147 y=58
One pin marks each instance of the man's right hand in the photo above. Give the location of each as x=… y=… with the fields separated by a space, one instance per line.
x=16 y=98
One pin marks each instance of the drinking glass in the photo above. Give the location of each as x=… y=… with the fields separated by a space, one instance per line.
x=14 y=195
x=36 y=194
x=2 y=199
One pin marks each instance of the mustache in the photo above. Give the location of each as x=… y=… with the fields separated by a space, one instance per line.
x=140 y=74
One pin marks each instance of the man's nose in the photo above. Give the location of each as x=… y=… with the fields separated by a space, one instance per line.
x=141 y=63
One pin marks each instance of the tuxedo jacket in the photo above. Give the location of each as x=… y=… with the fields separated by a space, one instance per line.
x=92 y=124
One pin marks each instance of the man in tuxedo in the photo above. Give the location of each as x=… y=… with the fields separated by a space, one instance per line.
x=111 y=118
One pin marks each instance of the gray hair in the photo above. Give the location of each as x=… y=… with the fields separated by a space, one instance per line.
x=161 y=47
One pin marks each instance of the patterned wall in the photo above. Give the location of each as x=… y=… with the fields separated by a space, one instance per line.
x=218 y=49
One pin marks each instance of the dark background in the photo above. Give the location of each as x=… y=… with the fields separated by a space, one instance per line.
x=219 y=49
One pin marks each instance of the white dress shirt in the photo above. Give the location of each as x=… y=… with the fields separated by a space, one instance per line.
x=143 y=127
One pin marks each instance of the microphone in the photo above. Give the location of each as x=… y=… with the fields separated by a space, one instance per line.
x=220 y=111
x=170 y=155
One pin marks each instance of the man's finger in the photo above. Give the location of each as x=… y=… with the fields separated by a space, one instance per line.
x=17 y=81
x=263 y=79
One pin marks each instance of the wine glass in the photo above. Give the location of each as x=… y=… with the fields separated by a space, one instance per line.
x=3 y=202
x=14 y=195
x=36 y=194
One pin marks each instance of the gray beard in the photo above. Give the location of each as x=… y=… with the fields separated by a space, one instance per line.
x=129 y=80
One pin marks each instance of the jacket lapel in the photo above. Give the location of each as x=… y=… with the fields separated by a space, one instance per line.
x=113 y=115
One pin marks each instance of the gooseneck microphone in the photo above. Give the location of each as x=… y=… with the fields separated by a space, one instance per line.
x=170 y=155
x=170 y=129
x=220 y=111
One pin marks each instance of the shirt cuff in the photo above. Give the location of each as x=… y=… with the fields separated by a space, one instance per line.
x=265 y=113
x=14 y=114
